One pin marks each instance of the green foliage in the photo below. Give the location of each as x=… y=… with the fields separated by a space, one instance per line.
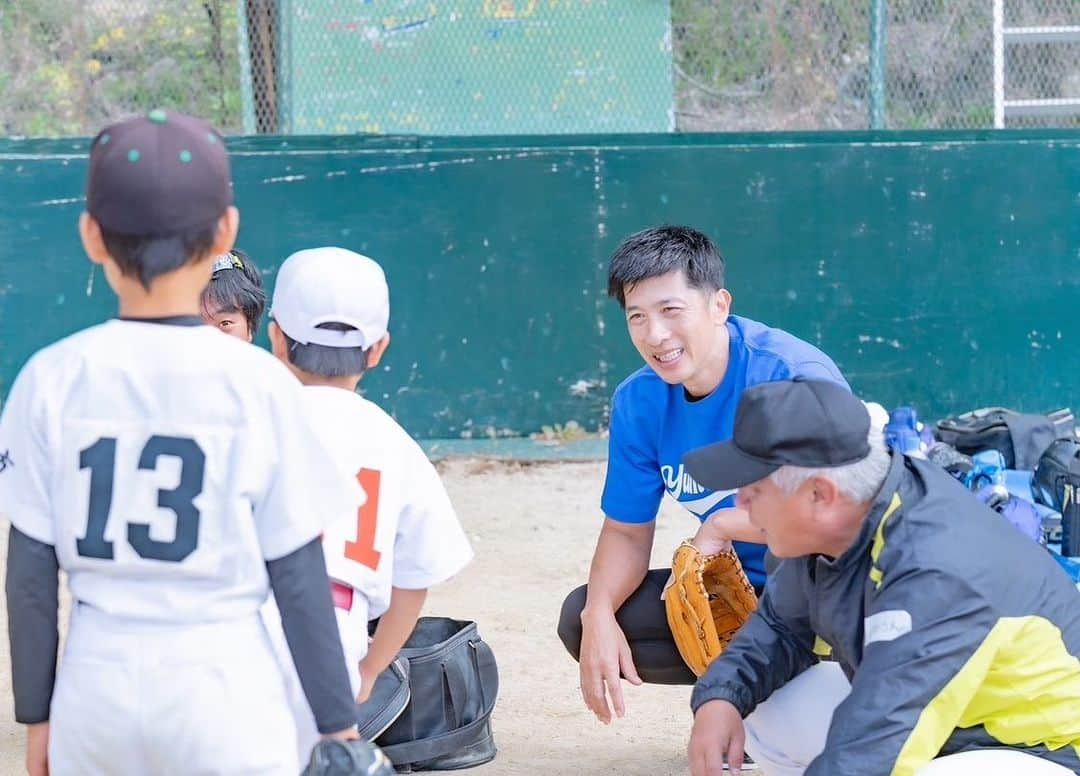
x=763 y=63
x=66 y=66
x=559 y=433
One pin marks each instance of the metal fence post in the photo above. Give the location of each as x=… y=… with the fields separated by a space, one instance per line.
x=999 y=64
x=877 y=64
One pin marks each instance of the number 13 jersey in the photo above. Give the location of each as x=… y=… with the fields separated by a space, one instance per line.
x=166 y=463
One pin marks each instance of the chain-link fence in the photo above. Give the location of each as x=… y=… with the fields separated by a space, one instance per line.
x=786 y=64
x=469 y=67
x=1042 y=62
x=484 y=66
x=940 y=62
x=771 y=64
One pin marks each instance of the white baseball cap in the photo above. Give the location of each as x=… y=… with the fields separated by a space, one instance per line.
x=331 y=285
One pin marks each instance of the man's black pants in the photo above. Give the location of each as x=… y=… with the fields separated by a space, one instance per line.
x=644 y=621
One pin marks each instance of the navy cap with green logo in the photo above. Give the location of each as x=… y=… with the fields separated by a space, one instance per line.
x=158 y=175
x=809 y=423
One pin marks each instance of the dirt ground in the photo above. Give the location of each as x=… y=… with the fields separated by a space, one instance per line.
x=533 y=527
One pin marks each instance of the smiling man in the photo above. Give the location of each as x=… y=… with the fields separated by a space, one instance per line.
x=698 y=360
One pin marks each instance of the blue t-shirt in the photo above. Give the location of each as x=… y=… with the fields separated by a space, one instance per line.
x=653 y=425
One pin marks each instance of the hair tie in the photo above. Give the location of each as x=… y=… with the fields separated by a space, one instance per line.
x=227 y=261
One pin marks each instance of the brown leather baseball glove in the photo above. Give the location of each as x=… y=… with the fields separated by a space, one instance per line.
x=708 y=600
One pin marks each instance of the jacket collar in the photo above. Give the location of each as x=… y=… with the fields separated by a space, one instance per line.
x=889 y=490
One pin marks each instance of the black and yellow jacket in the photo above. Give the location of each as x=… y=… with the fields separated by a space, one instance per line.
x=956 y=632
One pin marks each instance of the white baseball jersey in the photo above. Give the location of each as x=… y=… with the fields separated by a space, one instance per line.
x=166 y=464
x=406 y=534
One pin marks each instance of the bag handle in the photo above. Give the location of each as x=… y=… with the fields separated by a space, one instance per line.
x=455 y=684
x=488 y=672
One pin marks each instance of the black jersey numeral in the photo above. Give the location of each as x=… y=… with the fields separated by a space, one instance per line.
x=100 y=459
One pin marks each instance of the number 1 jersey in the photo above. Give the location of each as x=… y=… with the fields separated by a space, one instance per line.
x=406 y=534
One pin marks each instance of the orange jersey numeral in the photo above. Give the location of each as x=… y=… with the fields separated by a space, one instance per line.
x=363 y=549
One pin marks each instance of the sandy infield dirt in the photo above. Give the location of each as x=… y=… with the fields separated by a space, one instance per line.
x=533 y=527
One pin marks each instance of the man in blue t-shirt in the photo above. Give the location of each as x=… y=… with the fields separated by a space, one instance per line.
x=699 y=358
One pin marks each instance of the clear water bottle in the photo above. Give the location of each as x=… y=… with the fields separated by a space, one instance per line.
x=988 y=468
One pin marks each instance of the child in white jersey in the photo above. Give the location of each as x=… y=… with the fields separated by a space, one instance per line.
x=172 y=474
x=330 y=312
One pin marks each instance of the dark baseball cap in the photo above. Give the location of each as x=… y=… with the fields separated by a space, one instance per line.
x=809 y=423
x=158 y=175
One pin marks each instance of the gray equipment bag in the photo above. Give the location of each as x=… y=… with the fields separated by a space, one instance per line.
x=1020 y=437
x=431 y=709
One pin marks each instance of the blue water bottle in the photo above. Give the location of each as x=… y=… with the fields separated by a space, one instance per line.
x=902 y=432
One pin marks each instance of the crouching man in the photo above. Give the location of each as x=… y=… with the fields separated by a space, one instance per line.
x=908 y=629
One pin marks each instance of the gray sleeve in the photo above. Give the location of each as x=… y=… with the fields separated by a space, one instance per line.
x=774 y=646
x=302 y=590
x=32 y=601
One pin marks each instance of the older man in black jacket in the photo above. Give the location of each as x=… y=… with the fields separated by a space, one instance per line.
x=908 y=629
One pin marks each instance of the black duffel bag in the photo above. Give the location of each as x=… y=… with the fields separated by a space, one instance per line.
x=431 y=709
x=1020 y=437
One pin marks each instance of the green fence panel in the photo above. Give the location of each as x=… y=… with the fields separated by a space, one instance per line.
x=467 y=67
x=937 y=269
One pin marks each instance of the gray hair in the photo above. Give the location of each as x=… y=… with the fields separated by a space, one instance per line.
x=859 y=481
